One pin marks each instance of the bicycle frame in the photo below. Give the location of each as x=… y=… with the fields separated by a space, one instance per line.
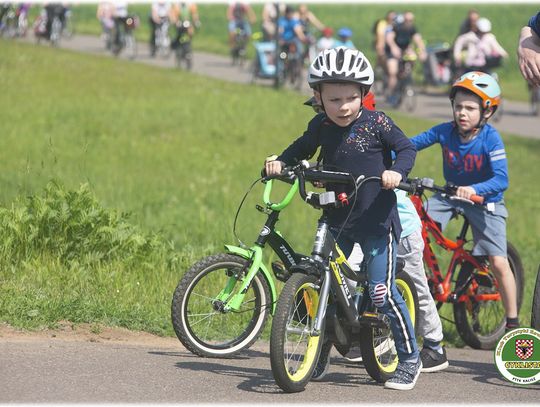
x=443 y=289
x=326 y=250
x=268 y=235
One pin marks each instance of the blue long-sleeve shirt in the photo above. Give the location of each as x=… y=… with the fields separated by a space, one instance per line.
x=480 y=163
x=534 y=23
x=362 y=148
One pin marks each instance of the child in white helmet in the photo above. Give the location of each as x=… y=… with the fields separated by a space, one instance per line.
x=360 y=142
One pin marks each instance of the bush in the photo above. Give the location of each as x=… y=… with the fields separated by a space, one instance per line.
x=72 y=227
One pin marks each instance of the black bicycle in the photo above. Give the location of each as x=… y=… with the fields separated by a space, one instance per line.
x=317 y=304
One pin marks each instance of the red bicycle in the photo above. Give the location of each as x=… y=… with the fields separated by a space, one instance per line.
x=468 y=284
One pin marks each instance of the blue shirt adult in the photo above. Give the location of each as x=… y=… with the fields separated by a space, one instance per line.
x=287 y=26
x=480 y=163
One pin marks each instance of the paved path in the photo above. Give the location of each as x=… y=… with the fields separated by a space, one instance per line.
x=515 y=120
x=56 y=371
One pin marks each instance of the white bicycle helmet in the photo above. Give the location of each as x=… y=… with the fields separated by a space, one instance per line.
x=341 y=64
x=483 y=25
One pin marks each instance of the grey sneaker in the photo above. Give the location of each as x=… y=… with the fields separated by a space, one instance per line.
x=323 y=364
x=433 y=361
x=405 y=376
x=354 y=354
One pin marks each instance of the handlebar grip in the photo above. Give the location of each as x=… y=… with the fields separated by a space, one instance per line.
x=405 y=186
x=477 y=199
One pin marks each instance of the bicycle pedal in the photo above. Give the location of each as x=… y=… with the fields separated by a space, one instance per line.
x=281 y=273
x=372 y=319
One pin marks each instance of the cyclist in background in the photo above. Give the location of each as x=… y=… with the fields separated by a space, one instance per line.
x=159 y=13
x=399 y=45
x=120 y=15
x=180 y=13
x=308 y=21
x=469 y=24
x=381 y=28
x=474 y=159
x=239 y=16
x=291 y=31
x=270 y=15
x=344 y=38
x=327 y=41
x=54 y=10
x=478 y=50
x=105 y=16
x=529 y=51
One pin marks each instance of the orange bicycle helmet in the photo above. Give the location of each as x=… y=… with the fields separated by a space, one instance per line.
x=481 y=84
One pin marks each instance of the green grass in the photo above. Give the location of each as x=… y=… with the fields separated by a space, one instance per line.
x=166 y=157
x=436 y=22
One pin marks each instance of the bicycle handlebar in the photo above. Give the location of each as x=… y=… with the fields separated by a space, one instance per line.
x=305 y=172
x=416 y=186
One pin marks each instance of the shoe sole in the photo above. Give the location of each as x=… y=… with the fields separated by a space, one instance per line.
x=437 y=368
x=357 y=359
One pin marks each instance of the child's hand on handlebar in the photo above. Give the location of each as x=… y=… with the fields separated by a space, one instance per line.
x=390 y=179
x=273 y=166
x=465 y=192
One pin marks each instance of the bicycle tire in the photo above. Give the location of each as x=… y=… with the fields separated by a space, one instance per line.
x=535 y=309
x=377 y=345
x=294 y=350
x=131 y=46
x=485 y=332
x=409 y=100
x=224 y=334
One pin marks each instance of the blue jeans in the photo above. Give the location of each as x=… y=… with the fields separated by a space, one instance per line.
x=380 y=259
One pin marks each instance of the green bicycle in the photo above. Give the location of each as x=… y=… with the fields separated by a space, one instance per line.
x=222 y=303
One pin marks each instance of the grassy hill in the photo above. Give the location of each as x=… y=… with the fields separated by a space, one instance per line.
x=436 y=23
x=165 y=158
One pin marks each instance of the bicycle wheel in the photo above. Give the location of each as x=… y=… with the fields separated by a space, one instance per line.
x=294 y=349
x=481 y=324
x=379 y=352
x=131 y=46
x=409 y=99
x=198 y=318
x=535 y=311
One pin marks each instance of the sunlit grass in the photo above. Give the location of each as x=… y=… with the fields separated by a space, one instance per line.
x=176 y=152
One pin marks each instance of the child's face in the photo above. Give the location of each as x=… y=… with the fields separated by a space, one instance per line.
x=467 y=111
x=341 y=101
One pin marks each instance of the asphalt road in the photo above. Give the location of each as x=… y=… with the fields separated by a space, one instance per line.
x=516 y=118
x=58 y=371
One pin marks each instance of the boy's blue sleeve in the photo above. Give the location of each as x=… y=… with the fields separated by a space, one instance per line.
x=499 y=167
x=426 y=139
x=304 y=147
x=534 y=23
x=405 y=153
